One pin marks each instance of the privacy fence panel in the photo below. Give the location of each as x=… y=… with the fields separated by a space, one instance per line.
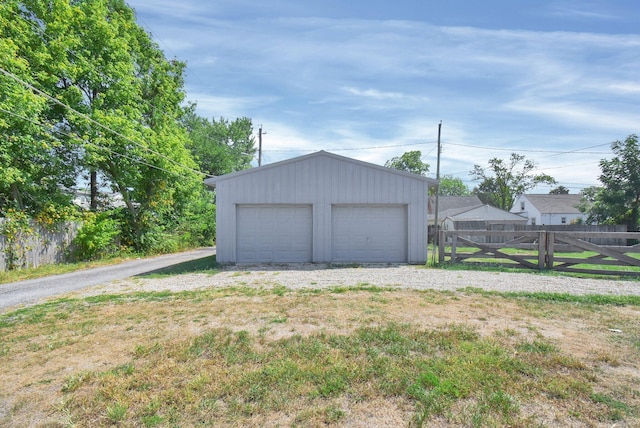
x=40 y=246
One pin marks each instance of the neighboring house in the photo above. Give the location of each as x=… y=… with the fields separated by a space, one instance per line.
x=549 y=209
x=451 y=204
x=82 y=198
x=321 y=208
x=468 y=213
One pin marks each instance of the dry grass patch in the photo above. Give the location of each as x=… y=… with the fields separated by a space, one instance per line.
x=342 y=357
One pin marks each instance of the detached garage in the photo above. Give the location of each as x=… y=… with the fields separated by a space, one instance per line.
x=321 y=208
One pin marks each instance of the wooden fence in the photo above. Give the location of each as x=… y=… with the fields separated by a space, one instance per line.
x=545 y=250
x=41 y=247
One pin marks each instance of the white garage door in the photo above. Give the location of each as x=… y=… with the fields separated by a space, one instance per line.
x=369 y=233
x=273 y=233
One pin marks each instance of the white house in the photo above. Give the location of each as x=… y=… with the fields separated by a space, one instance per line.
x=549 y=209
x=321 y=208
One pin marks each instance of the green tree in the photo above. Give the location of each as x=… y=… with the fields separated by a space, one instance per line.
x=618 y=200
x=35 y=165
x=560 y=190
x=123 y=123
x=503 y=181
x=219 y=147
x=453 y=186
x=409 y=162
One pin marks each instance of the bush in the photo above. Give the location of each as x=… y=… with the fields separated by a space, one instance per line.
x=96 y=238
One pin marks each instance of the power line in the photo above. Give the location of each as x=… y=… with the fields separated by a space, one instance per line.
x=48 y=37
x=138 y=17
x=344 y=149
x=56 y=101
x=568 y=166
x=554 y=152
x=50 y=128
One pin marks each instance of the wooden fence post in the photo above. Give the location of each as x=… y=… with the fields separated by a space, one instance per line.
x=454 y=245
x=551 y=237
x=542 y=249
x=441 y=239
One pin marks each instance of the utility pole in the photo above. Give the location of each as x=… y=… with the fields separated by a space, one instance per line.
x=436 y=227
x=260 y=145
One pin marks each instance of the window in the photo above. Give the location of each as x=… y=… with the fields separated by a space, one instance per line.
x=563 y=220
x=533 y=221
x=522 y=206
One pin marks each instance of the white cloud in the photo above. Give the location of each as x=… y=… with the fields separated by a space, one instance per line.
x=318 y=83
x=376 y=94
x=580 y=115
x=228 y=107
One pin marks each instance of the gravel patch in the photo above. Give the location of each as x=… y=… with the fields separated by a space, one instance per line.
x=297 y=276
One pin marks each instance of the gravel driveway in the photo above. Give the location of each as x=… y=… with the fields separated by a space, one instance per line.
x=401 y=276
x=31 y=291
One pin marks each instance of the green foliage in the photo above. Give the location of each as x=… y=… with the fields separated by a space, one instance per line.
x=34 y=165
x=560 y=190
x=51 y=216
x=616 y=410
x=93 y=57
x=503 y=181
x=96 y=237
x=618 y=200
x=409 y=162
x=453 y=186
x=220 y=147
x=17 y=230
x=586 y=299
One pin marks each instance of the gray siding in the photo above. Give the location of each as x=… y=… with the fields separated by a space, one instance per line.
x=321 y=180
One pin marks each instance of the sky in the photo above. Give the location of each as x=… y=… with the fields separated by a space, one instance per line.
x=554 y=80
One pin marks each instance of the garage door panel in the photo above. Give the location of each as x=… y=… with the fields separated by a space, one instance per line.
x=369 y=233
x=274 y=233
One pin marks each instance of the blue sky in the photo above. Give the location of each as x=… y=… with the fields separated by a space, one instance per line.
x=554 y=80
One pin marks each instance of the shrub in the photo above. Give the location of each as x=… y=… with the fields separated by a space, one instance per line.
x=96 y=237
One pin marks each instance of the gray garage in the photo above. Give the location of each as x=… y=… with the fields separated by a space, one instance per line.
x=321 y=208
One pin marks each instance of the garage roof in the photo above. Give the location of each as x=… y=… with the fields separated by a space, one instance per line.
x=211 y=182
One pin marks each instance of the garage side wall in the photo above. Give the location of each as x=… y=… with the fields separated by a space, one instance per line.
x=322 y=182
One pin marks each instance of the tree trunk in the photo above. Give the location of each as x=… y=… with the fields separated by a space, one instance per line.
x=94 y=191
x=17 y=197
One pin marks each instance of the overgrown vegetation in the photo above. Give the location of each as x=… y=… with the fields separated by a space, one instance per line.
x=89 y=101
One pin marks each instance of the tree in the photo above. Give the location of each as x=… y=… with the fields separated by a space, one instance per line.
x=560 y=190
x=35 y=164
x=453 y=186
x=123 y=120
x=503 y=181
x=618 y=200
x=219 y=147
x=587 y=204
x=409 y=162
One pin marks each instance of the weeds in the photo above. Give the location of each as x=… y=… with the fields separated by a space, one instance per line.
x=235 y=371
x=434 y=370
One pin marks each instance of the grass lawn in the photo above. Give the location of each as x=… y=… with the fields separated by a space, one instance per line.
x=362 y=356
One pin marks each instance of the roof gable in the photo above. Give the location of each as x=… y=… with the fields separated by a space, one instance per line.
x=314 y=156
x=450 y=205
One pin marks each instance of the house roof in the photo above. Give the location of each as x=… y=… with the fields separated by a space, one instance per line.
x=555 y=204
x=213 y=180
x=485 y=213
x=450 y=205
